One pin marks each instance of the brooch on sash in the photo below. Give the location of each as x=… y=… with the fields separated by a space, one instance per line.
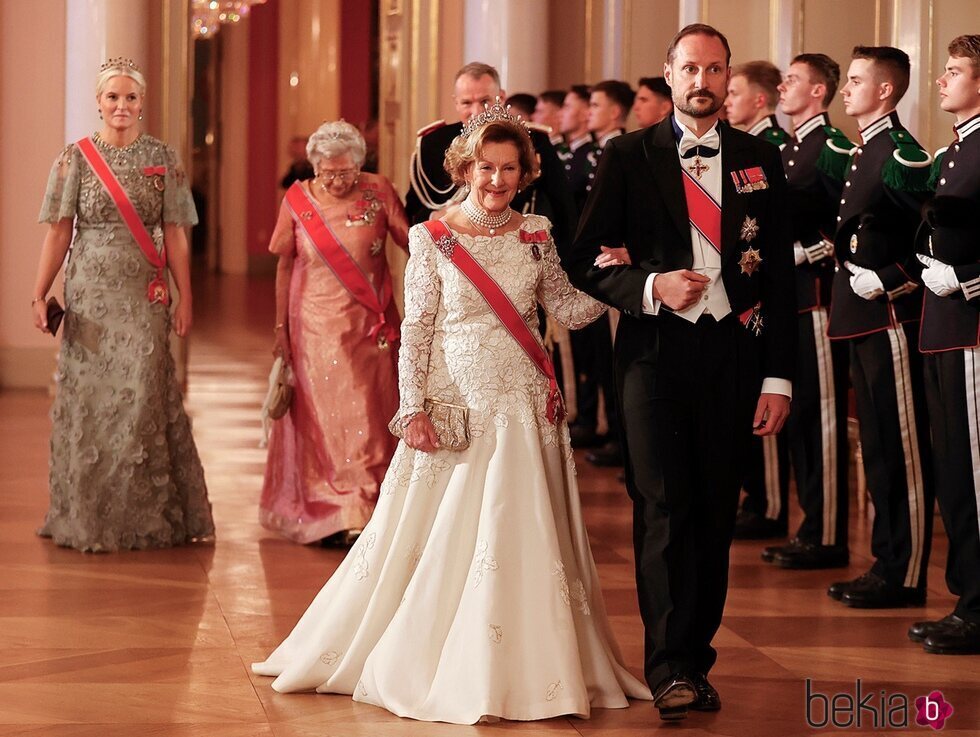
x=749 y=180
x=377 y=246
x=158 y=173
x=534 y=238
x=157 y=290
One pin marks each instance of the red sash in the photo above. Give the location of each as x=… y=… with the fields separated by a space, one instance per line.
x=505 y=310
x=343 y=265
x=157 y=290
x=704 y=212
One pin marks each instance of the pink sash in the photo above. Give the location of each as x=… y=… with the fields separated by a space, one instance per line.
x=343 y=265
x=157 y=290
x=505 y=310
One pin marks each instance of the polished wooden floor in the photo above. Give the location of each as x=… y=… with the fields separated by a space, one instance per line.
x=158 y=643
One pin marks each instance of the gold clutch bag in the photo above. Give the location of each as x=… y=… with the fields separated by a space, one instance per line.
x=451 y=422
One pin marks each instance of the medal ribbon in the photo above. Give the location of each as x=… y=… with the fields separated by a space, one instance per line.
x=129 y=215
x=505 y=311
x=342 y=264
x=703 y=212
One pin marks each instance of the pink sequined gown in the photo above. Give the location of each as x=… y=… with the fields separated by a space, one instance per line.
x=328 y=455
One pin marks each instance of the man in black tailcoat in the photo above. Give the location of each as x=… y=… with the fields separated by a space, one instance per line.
x=704 y=350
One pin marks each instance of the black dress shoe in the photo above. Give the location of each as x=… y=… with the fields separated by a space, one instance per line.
x=770 y=552
x=877 y=593
x=708 y=698
x=809 y=556
x=609 y=455
x=837 y=589
x=960 y=638
x=673 y=695
x=752 y=526
x=919 y=631
x=585 y=437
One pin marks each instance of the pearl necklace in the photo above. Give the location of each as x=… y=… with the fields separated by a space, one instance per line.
x=483 y=219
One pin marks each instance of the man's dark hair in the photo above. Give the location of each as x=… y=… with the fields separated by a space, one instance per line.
x=702 y=29
x=893 y=62
x=618 y=91
x=823 y=70
x=967 y=47
x=523 y=103
x=657 y=85
x=555 y=97
x=764 y=75
x=581 y=91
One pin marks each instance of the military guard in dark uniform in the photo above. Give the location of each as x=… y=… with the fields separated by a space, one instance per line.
x=816 y=432
x=752 y=97
x=875 y=307
x=432 y=189
x=949 y=246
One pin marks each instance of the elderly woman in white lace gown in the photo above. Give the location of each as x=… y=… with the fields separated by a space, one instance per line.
x=472 y=592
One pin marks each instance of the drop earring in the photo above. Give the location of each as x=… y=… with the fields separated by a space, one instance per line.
x=141 y=115
x=100 y=114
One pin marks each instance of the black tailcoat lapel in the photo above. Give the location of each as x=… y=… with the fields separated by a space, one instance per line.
x=661 y=154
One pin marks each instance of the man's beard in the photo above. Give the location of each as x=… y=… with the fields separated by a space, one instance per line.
x=700 y=110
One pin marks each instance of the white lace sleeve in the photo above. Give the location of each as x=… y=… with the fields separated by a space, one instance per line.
x=423 y=291
x=569 y=306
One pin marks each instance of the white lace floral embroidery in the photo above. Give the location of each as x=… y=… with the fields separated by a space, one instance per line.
x=483 y=563
x=455 y=348
x=553 y=690
x=496 y=633
x=559 y=571
x=330 y=657
x=361 y=569
x=580 y=598
x=413 y=555
x=428 y=466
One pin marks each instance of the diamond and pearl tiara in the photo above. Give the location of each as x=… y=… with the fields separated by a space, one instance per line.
x=492 y=114
x=120 y=61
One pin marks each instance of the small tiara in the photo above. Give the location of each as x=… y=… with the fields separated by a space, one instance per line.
x=117 y=62
x=492 y=114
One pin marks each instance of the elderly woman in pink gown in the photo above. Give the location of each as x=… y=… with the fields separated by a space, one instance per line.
x=337 y=327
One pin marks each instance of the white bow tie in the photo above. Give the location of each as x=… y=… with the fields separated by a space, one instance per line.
x=688 y=141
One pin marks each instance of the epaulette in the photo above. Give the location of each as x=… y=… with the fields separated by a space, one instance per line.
x=775 y=136
x=836 y=154
x=539 y=127
x=427 y=129
x=909 y=168
x=934 y=172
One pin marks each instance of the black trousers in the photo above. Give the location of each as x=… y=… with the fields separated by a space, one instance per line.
x=886 y=371
x=592 y=354
x=952 y=383
x=688 y=394
x=816 y=432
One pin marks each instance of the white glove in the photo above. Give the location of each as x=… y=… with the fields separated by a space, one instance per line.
x=818 y=251
x=939 y=277
x=864 y=282
x=799 y=253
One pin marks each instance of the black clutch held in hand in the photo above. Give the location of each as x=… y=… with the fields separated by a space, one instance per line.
x=55 y=314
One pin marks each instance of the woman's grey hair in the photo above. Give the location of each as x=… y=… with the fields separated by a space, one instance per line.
x=120 y=70
x=334 y=139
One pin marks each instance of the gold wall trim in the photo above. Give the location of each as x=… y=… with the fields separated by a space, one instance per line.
x=434 y=37
x=589 y=41
x=877 y=22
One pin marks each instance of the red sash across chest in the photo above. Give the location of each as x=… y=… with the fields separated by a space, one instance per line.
x=703 y=211
x=343 y=265
x=502 y=307
x=157 y=290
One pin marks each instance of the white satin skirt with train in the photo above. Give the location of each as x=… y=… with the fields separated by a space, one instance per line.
x=471 y=593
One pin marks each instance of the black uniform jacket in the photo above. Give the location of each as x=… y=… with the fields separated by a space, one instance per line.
x=814 y=199
x=876 y=230
x=950 y=232
x=549 y=195
x=638 y=201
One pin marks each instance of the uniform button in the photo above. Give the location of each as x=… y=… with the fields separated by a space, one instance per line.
x=956 y=147
x=591 y=176
x=943 y=180
x=952 y=164
x=838 y=218
x=796 y=148
x=847 y=184
x=842 y=200
x=854 y=167
x=860 y=150
x=568 y=167
x=792 y=163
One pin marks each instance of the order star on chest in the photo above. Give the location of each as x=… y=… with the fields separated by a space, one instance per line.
x=698 y=168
